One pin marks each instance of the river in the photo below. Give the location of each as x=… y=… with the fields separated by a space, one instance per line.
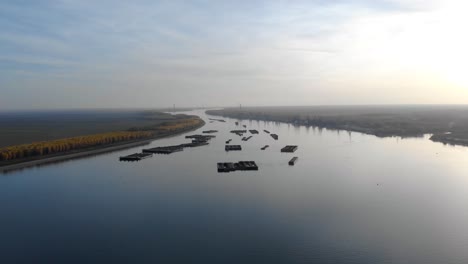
x=351 y=198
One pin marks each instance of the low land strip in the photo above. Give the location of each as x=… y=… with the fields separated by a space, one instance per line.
x=152 y=126
x=446 y=124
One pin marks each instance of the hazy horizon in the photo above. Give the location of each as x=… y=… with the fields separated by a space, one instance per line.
x=153 y=54
x=244 y=107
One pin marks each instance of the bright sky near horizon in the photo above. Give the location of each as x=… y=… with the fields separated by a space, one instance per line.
x=144 y=53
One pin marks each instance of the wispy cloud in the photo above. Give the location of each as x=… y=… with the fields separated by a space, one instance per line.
x=168 y=48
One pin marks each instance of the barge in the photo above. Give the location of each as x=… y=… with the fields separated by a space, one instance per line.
x=266 y=131
x=195 y=144
x=274 y=136
x=165 y=150
x=238 y=131
x=241 y=165
x=135 y=157
x=210 y=131
x=265 y=147
x=293 y=161
x=232 y=147
x=226 y=167
x=246 y=138
x=289 y=148
x=214 y=119
x=201 y=137
x=253 y=131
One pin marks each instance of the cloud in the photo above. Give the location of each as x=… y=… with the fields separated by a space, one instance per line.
x=322 y=50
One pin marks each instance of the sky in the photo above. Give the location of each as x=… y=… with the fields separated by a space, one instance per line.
x=147 y=53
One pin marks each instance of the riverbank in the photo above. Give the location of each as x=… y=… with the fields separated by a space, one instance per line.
x=43 y=160
x=448 y=125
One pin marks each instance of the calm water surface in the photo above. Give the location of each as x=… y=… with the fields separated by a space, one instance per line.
x=351 y=198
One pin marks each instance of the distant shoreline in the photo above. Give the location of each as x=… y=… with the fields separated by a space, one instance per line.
x=90 y=152
x=438 y=134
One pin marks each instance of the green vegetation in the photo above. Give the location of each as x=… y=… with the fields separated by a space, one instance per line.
x=152 y=124
x=448 y=124
x=27 y=127
x=68 y=144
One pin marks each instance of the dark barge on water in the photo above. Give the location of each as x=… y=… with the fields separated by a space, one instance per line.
x=135 y=157
x=274 y=136
x=293 y=161
x=164 y=150
x=219 y=120
x=239 y=132
x=253 y=131
x=265 y=147
x=210 y=131
x=266 y=131
x=201 y=137
x=197 y=142
x=241 y=165
x=246 y=138
x=232 y=147
x=289 y=148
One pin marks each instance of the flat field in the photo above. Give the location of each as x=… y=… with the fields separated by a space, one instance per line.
x=28 y=127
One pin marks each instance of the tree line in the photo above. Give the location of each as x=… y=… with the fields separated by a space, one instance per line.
x=69 y=144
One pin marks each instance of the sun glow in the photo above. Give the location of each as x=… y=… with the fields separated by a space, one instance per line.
x=452 y=44
x=431 y=44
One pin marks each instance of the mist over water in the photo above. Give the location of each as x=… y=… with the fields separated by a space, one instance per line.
x=351 y=198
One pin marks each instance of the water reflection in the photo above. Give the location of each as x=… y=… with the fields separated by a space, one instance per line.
x=349 y=199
